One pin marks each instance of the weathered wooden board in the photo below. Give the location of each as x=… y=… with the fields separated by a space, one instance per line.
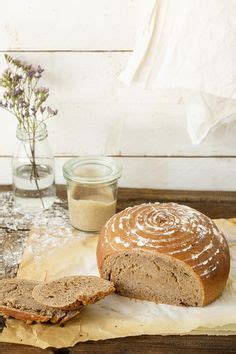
x=84 y=45
x=173 y=173
x=161 y=173
x=73 y=25
x=98 y=114
x=142 y=344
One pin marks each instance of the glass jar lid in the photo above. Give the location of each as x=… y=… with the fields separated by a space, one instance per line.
x=92 y=170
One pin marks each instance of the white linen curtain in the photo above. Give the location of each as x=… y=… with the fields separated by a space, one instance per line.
x=188 y=47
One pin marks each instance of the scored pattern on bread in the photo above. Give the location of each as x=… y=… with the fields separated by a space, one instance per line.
x=16 y=301
x=168 y=230
x=70 y=292
x=173 y=229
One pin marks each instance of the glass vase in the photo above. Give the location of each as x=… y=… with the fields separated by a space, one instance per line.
x=33 y=170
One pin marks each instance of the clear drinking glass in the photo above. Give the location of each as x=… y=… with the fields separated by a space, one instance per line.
x=92 y=184
x=33 y=171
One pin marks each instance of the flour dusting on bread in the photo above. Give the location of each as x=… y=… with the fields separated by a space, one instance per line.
x=167 y=234
x=161 y=226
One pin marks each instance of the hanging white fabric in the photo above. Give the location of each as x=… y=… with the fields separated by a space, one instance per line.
x=189 y=48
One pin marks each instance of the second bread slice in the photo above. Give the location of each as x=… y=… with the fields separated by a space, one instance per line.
x=70 y=293
x=16 y=301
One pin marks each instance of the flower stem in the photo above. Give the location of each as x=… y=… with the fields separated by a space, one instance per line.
x=34 y=172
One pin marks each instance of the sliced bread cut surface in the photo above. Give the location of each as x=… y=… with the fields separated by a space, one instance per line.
x=16 y=301
x=152 y=277
x=69 y=293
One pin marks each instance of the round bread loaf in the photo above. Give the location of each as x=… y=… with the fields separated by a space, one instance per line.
x=166 y=253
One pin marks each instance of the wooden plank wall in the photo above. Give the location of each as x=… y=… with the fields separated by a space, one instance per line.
x=84 y=45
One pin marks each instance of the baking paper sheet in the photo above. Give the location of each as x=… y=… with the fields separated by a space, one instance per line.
x=59 y=252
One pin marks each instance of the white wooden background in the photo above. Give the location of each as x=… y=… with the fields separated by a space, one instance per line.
x=84 y=45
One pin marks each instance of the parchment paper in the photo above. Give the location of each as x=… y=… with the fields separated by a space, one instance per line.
x=58 y=252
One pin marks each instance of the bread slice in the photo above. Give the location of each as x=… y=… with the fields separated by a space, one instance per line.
x=16 y=301
x=70 y=293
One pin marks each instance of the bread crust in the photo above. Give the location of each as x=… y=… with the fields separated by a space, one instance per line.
x=69 y=316
x=23 y=315
x=30 y=318
x=175 y=230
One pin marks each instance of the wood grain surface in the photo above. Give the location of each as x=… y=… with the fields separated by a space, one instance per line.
x=97 y=114
x=83 y=25
x=84 y=46
x=176 y=173
x=215 y=205
x=142 y=344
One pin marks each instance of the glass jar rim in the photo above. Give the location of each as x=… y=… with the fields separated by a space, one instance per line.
x=114 y=169
x=40 y=132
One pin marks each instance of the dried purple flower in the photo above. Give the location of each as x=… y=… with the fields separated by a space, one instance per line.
x=30 y=73
x=18 y=77
x=40 y=70
x=50 y=111
x=33 y=109
x=22 y=96
x=17 y=92
x=42 y=91
x=42 y=109
x=3 y=104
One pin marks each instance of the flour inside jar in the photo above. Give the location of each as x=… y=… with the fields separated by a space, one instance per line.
x=91 y=212
x=92 y=185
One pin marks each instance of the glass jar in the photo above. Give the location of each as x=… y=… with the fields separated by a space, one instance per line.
x=92 y=184
x=33 y=170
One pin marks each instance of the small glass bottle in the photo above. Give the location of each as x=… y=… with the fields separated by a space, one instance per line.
x=92 y=184
x=33 y=170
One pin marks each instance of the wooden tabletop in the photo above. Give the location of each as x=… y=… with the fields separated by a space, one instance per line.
x=213 y=204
